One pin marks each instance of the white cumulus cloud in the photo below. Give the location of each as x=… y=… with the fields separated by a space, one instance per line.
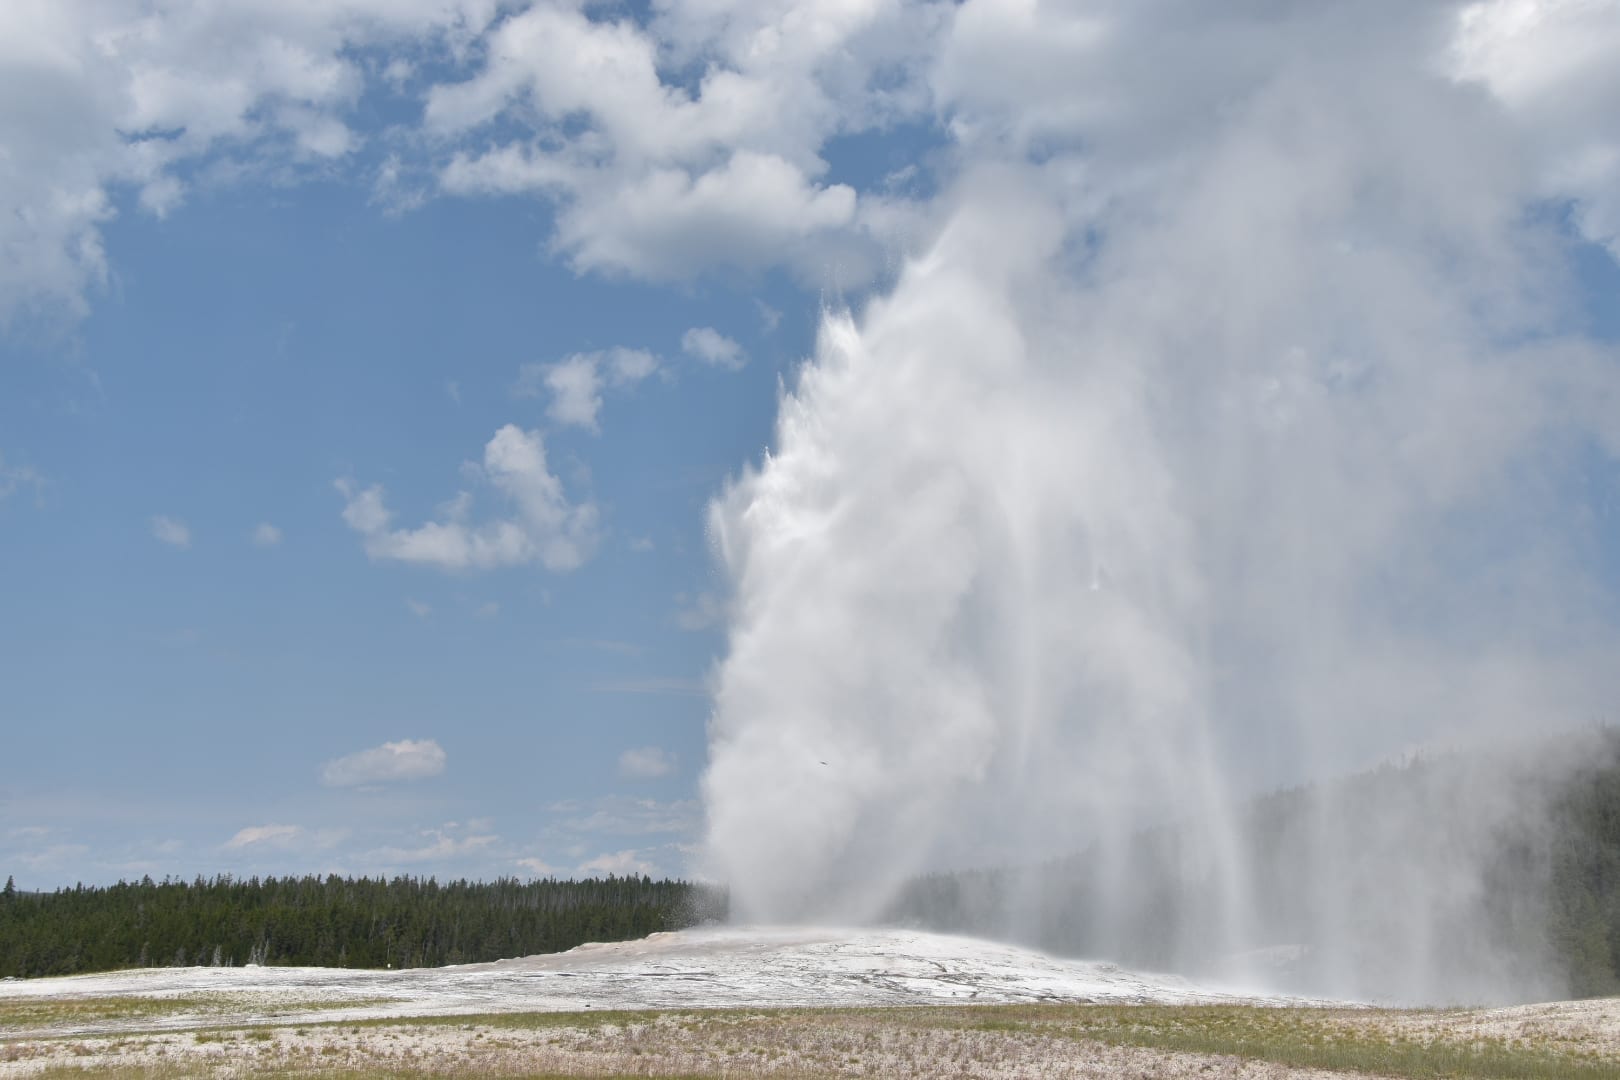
x=266 y=535
x=541 y=525
x=107 y=99
x=1555 y=66
x=664 y=180
x=670 y=223
x=657 y=174
x=575 y=383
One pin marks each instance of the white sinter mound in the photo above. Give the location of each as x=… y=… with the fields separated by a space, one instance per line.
x=703 y=968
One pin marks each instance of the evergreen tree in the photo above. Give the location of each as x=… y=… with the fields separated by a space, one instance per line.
x=332 y=921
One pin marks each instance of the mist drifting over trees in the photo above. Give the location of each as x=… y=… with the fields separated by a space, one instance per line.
x=1481 y=876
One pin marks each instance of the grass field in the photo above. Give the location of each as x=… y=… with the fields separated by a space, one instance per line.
x=1578 y=1040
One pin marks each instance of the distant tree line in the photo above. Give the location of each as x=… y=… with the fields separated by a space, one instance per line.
x=332 y=921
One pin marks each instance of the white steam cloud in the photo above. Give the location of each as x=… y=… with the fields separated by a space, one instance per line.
x=1222 y=439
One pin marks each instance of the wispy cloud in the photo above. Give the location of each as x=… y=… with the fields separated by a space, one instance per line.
x=445 y=842
x=270 y=835
x=646 y=762
x=709 y=345
x=51 y=857
x=408 y=759
x=266 y=535
x=15 y=477
x=538 y=867
x=170 y=531
x=281 y=838
x=618 y=863
x=698 y=612
x=622 y=816
x=394 y=188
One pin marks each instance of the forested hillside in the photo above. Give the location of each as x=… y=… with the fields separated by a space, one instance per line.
x=333 y=921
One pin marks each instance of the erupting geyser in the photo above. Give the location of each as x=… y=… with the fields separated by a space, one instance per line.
x=1184 y=464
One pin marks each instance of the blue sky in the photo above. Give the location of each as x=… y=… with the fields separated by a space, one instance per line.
x=256 y=347
x=367 y=369
x=192 y=632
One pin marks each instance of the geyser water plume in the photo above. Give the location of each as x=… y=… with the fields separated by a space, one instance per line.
x=1171 y=473
x=899 y=546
